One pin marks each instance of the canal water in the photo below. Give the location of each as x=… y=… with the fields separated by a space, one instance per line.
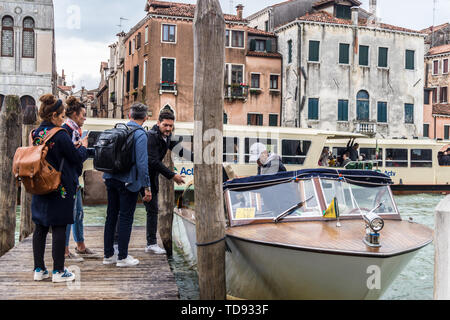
x=414 y=283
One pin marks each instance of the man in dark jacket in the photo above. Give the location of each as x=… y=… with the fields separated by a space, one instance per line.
x=159 y=142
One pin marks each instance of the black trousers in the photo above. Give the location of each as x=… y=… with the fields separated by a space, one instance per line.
x=58 y=246
x=152 y=218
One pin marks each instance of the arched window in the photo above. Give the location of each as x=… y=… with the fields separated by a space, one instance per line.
x=362 y=106
x=28 y=38
x=26 y=101
x=7 y=37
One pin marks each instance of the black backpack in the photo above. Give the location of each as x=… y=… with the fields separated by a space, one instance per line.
x=114 y=149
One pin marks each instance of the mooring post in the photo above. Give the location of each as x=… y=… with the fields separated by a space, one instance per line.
x=209 y=62
x=26 y=225
x=10 y=135
x=441 y=250
x=166 y=203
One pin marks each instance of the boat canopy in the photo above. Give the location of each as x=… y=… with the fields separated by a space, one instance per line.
x=366 y=178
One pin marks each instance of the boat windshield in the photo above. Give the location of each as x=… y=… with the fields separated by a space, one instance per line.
x=270 y=201
x=355 y=199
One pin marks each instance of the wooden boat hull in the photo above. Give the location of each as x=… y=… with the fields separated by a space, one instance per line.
x=291 y=274
x=260 y=267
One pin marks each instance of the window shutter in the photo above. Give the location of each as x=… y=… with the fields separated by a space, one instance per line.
x=314 y=50
x=343 y=53
x=128 y=81
x=249 y=119
x=136 y=77
x=290 y=51
x=409 y=60
x=382 y=112
x=269 y=45
x=426 y=130
x=252 y=45
x=313 y=109
x=363 y=55
x=382 y=57
x=343 y=110
x=446 y=132
x=409 y=113
x=273 y=120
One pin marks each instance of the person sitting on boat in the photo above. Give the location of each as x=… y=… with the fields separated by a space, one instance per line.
x=268 y=163
x=323 y=161
x=446 y=158
x=352 y=149
x=345 y=159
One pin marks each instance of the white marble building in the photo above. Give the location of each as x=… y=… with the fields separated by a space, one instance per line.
x=27 y=49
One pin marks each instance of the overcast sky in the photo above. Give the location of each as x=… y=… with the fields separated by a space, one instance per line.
x=85 y=28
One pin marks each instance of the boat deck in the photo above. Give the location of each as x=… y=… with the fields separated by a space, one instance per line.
x=396 y=237
x=152 y=279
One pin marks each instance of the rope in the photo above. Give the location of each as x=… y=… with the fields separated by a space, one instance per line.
x=209 y=243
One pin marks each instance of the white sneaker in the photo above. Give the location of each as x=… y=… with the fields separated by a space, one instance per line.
x=110 y=260
x=73 y=257
x=40 y=274
x=154 y=248
x=127 y=262
x=62 y=276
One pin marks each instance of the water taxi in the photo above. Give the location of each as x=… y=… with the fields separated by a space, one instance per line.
x=309 y=234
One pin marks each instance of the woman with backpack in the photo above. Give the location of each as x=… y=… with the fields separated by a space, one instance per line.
x=55 y=209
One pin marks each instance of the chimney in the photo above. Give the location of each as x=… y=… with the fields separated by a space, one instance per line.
x=239 y=10
x=355 y=11
x=373 y=12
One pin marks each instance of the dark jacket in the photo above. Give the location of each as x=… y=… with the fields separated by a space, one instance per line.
x=157 y=150
x=56 y=208
x=79 y=168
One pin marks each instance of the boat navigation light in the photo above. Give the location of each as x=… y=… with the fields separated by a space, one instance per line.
x=374 y=221
x=374 y=224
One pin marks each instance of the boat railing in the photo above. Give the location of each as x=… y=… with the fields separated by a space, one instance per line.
x=360 y=165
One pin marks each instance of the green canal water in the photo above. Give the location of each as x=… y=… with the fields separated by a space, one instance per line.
x=414 y=283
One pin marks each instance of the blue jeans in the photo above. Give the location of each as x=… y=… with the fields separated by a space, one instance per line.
x=78 y=216
x=120 y=199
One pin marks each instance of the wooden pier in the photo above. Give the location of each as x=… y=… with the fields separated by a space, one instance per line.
x=152 y=279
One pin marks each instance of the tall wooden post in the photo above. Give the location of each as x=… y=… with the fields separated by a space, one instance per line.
x=26 y=225
x=10 y=133
x=166 y=203
x=209 y=64
x=441 y=250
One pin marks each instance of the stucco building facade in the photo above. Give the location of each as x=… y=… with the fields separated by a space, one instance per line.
x=344 y=72
x=159 y=66
x=27 y=45
x=436 y=100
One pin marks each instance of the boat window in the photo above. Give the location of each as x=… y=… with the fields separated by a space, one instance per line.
x=270 y=201
x=353 y=199
x=421 y=158
x=230 y=149
x=185 y=142
x=370 y=154
x=271 y=145
x=397 y=158
x=294 y=151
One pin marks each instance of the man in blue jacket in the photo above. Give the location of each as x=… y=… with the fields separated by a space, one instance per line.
x=123 y=190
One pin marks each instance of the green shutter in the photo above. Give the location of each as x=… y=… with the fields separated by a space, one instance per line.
x=313 y=109
x=252 y=45
x=383 y=57
x=343 y=110
x=426 y=130
x=446 y=132
x=409 y=113
x=128 y=81
x=409 y=59
x=269 y=45
x=273 y=120
x=168 y=70
x=290 y=51
x=249 y=119
x=344 y=53
x=382 y=112
x=314 y=50
x=363 y=55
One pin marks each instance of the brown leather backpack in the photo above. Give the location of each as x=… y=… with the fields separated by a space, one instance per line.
x=32 y=169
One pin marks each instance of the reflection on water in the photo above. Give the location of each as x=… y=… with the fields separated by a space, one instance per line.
x=414 y=283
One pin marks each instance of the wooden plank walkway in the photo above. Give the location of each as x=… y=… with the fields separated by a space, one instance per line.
x=152 y=279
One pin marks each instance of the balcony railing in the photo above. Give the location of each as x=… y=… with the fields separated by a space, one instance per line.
x=366 y=128
x=168 y=87
x=236 y=91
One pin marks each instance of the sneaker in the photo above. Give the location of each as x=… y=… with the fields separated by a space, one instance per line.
x=154 y=248
x=110 y=260
x=127 y=262
x=73 y=257
x=62 y=276
x=40 y=274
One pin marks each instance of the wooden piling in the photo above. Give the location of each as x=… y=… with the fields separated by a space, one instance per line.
x=441 y=250
x=166 y=203
x=209 y=62
x=10 y=135
x=26 y=225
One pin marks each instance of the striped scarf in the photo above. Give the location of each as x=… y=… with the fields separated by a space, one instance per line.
x=76 y=135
